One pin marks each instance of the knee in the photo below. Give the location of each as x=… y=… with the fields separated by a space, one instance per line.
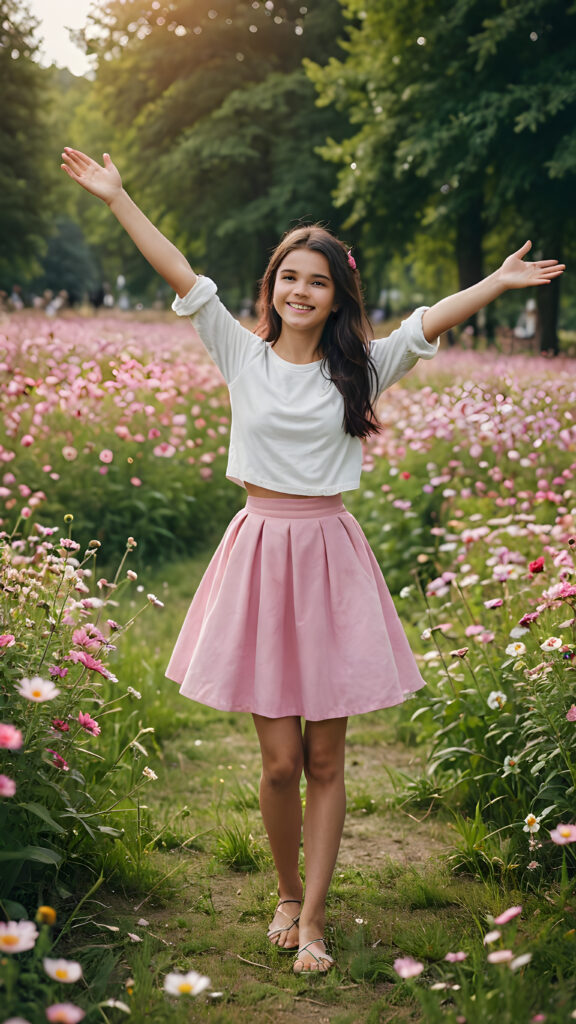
x=282 y=772
x=324 y=769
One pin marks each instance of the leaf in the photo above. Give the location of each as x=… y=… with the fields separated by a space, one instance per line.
x=41 y=854
x=42 y=813
x=109 y=831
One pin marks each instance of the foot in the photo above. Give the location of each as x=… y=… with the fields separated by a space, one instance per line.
x=313 y=959
x=283 y=930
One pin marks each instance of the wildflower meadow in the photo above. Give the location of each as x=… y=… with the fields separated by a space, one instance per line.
x=135 y=882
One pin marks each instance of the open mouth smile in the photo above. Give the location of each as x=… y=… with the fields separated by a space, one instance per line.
x=300 y=307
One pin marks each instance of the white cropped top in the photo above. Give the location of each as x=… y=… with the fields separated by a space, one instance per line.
x=286 y=433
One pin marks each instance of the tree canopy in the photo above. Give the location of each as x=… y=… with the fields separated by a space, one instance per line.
x=463 y=114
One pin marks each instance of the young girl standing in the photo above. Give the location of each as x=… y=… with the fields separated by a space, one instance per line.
x=292 y=619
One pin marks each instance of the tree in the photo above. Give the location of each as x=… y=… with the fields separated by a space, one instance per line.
x=24 y=185
x=463 y=114
x=219 y=122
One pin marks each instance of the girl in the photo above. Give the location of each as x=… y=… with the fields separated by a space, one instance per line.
x=293 y=619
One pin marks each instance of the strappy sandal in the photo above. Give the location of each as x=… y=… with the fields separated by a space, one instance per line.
x=322 y=957
x=272 y=932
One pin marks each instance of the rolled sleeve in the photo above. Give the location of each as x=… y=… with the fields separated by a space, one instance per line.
x=397 y=354
x=202 y=290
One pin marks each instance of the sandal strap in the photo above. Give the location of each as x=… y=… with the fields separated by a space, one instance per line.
x=318 y=959
x=287 y=901
x=272 y=932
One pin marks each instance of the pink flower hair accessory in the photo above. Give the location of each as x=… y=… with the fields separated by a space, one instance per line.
x=351 y=260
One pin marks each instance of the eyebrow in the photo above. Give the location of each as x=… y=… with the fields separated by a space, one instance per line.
x=287 y=270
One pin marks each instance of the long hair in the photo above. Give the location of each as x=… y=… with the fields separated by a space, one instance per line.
x=345 y=341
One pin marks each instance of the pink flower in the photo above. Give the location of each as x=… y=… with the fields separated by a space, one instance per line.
x=571 y=714
x=455 y=958
x=89 y=639
x=164 y=450
x=93 y=664
x=69 y=453
x=199 y=423
x=528 y=617
x=7 y=640
x=10 y=736
x=563 y=834
x=88 y=723
x=27 y=440
x=54 y=670
x=537 y=565
x=64 y=1013
x=58 y=761
x=153 y=433
x=407 y=967
x=206 y=473
x=507 y=915
x=113 y=625
x=106 y=455
x=135 y=481
x=7 y=786
x=59 y=726
x=495 y=602
x=461 y=652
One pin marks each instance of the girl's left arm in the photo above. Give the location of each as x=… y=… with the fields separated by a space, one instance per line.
x=513 y=273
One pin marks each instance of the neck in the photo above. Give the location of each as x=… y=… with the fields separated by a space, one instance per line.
x=299 y=346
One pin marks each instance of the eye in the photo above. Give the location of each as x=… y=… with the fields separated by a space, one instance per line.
x=321 y=283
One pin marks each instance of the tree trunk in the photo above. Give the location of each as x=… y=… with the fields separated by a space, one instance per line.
x=548 y=299
x=469 y=234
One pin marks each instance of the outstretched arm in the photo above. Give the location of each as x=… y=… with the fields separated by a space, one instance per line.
x=105 y=183
x=513 y=273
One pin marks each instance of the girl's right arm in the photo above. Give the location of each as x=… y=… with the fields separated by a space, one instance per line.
x=105 y=183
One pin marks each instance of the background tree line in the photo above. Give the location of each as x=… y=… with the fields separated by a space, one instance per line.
x=434 y=136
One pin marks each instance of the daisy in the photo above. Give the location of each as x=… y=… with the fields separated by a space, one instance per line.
x=37 y=689
x=62 y=970
x=17 y=936
x=191 y=983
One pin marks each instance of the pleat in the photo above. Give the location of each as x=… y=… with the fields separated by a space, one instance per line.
x=293 y=617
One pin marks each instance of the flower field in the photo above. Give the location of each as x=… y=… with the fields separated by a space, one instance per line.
x=113 y=437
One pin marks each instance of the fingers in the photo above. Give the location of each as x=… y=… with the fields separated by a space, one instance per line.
x=523 y=249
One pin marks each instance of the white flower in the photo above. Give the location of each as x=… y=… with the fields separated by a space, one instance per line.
x=155 y=601
x=134 y=693
x=516 y=650
x=532 y=823
x=491 y=936
x=500 y=956
x=553 y=643
x=520 y=961
x=496 y=699
x=186 y=984
x=117 y=1004
x=38 y=689
x=149 y=773
x=62 y=970
x=17 y=936
x=135 y=938
x=426 y=634
x=405 y=592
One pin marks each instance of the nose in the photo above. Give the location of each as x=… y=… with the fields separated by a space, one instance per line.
x=301 y=287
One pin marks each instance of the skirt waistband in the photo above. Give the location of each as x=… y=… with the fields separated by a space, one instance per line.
x=296 y=508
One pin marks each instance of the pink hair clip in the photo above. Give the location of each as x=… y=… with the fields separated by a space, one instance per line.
x=351 y=260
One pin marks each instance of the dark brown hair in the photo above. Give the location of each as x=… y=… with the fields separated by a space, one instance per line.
x=345 y=341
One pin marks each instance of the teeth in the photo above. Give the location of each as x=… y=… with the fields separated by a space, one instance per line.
x=296 y=305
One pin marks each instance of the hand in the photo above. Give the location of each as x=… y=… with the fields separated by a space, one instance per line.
x=104 y=182
x=515 y=273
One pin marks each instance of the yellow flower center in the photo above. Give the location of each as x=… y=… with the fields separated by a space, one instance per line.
x=530 y=820
x=36 y=693
x=184 y=986
x=9 y=940
x=61 y=973
x=564 y=831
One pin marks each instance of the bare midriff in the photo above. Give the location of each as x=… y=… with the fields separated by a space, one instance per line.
x=262 y=492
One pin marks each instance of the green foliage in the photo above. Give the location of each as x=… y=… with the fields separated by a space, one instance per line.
x=24 y=189
x=216 y=122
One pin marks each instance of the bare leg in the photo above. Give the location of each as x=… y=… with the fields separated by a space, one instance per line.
x=282 y=749
x=324 y=755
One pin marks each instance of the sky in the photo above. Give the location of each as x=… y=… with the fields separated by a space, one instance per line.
x=55 y=17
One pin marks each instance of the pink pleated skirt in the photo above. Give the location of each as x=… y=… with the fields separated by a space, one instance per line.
x=293 y=617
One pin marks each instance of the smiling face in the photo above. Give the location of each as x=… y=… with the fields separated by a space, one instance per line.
x=304 y=292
